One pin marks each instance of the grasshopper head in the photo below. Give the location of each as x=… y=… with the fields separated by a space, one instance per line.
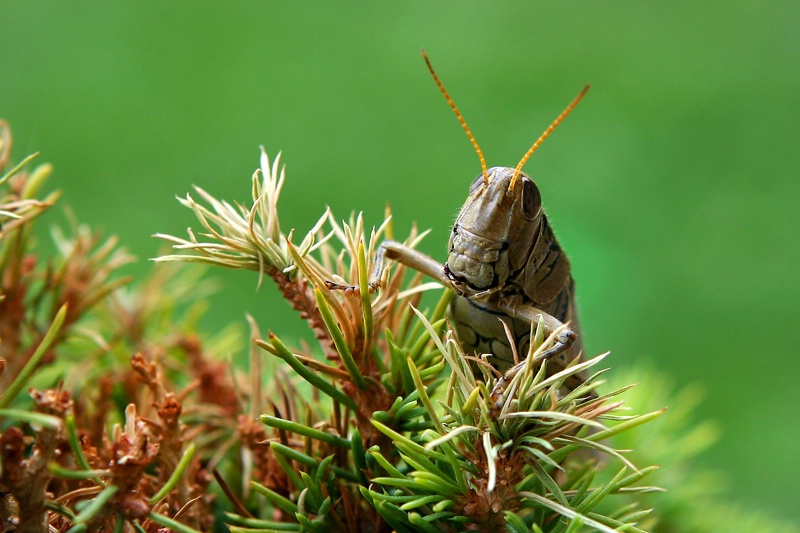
x=494 y=232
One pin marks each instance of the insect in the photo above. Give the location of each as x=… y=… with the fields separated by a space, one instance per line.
x=504 y=264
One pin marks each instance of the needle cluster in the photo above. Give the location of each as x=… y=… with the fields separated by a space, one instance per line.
x=119 y=415
x=391 y=430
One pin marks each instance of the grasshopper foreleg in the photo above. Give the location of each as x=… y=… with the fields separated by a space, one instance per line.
x=409 y=257
x=400 y=253
x=565 y=338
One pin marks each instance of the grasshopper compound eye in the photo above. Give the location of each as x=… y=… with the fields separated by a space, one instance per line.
x=531 y=204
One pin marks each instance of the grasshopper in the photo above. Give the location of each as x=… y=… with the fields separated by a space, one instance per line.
x=505 y=266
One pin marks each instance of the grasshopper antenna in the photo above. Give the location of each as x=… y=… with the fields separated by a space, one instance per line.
x=458 y=115
x=546 y=134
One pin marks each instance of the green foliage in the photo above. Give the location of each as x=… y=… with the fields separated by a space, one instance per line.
x=93 y=433
x=394 y=428
x=412 y=440
x=697 y=499
x=673 y=188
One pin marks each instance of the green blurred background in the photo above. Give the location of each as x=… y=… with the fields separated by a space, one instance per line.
x=673 y=187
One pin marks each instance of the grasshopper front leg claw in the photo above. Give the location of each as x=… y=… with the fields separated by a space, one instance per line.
x=350 y=290
x=564 y=340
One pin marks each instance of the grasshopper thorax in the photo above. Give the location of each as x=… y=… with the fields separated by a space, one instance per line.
x=494 y=231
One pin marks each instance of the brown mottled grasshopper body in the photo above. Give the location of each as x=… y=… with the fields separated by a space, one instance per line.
x=505 y=265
